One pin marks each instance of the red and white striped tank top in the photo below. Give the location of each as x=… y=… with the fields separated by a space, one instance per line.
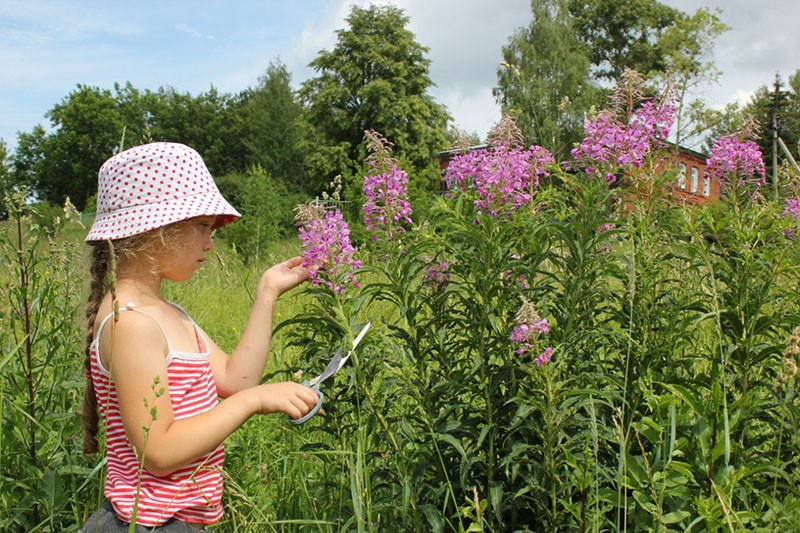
x=192 y=493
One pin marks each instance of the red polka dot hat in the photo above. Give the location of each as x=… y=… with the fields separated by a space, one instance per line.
x=152 y=185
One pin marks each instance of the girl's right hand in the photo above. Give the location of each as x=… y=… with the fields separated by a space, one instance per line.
x=292 y=399
x=282 y=277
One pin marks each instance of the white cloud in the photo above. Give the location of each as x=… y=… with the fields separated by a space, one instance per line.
x=49 y=46
x=193 y=32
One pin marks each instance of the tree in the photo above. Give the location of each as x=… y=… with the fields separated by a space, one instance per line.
x=26 y=161
x=274 y=129
x=209 y=122
x=623 y=34
x=688 y=46
x=544 y=80
x=5 y=173
x=376 y=77
x=777 y=110
x=87 y=129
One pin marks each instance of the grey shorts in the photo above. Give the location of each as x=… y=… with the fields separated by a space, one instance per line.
x=105 y=520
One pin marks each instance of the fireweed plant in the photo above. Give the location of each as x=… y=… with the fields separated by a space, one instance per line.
x=634 y=387
x=327 y=249
x=386 y=206
x=620 y=137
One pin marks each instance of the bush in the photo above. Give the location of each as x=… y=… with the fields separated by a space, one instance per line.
x=267 y=208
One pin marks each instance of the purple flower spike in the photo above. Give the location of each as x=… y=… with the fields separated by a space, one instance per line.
x=735 y=162
x=385 y=187
x=387 y=204
x=618 y=138
x=792 y=208
x=327 y=250
x=528 y=326
x=505 y=178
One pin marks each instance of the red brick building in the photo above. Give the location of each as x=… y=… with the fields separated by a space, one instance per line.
x=693 y=184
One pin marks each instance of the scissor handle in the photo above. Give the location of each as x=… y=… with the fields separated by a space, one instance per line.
x=314 y=409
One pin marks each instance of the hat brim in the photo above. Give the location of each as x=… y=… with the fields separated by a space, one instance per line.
x=142 y=218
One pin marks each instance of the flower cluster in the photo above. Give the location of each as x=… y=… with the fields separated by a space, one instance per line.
x=327 y=250
x=504 y=177
x=385 y=189
x=611 y=144
x=386 y=203
x=792 y=208
x=623 y=135
x=437 y=275
x=735 y=162
x=528 y=325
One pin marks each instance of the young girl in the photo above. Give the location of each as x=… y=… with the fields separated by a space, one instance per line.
x=152 y=373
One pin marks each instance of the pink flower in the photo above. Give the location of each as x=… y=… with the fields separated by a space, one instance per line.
x=544 y=357
x=618 y=138
x=528 y=326
x=387 y=202
x=504 y=178
x=735 y=162
x=792 y=208
x=385 y=189
x=436 y=275
x=327 y=250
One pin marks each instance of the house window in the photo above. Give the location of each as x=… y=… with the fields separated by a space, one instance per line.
x=695 y=179
x=706 y=186
x=682 y=177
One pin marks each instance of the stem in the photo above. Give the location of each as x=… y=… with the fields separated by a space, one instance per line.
x=26 y=310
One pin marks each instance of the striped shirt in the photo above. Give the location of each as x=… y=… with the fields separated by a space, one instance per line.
x=192 y=493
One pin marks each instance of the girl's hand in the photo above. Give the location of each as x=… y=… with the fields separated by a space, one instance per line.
x=290 y=398
x=282 y=277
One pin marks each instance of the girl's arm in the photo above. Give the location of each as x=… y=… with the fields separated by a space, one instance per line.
x=245 y=366
x=138 y=352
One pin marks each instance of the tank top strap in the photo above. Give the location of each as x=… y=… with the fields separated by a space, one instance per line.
x=130 y=306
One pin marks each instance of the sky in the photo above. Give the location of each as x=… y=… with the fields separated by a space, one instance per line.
x=49 y=47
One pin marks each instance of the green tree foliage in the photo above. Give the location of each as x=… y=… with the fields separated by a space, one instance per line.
x=376 y=77
x=207 y=122
x=267 y=207
x=544 y=81
x=91 y=124
x=5 y=170
x=27 y=158
x=623 y=34
x=688 y=46
x=87 y=127
x=274 y=129
x=779 y=107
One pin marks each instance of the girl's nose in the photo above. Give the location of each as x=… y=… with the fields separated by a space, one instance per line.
x=209 y=244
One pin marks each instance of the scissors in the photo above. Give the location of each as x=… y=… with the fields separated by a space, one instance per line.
x=336 y=363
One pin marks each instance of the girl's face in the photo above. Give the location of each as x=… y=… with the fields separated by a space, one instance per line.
x=194 y=238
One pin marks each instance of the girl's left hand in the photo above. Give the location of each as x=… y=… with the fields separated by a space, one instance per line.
x=282 y=277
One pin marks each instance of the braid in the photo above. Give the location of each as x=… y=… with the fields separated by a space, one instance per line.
x=102 y=259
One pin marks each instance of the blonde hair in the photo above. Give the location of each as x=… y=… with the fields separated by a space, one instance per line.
x=105 y=256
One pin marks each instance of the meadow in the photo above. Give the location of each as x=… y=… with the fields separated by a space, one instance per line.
x=575 y=353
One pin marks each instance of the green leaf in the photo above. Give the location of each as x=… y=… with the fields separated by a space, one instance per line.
x=675 y=516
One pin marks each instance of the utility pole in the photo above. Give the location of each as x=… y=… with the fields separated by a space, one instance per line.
x=775 y=153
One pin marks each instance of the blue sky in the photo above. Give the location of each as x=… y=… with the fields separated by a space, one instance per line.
x=48 y=47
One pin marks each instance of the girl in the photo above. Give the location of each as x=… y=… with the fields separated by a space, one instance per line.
x=152 y=373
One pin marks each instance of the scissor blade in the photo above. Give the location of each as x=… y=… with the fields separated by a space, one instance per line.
x=360 y=336
x=337 y=361
x=355 y=343
x=331 y=369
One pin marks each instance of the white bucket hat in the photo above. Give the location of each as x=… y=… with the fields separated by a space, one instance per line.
x=152 y=185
